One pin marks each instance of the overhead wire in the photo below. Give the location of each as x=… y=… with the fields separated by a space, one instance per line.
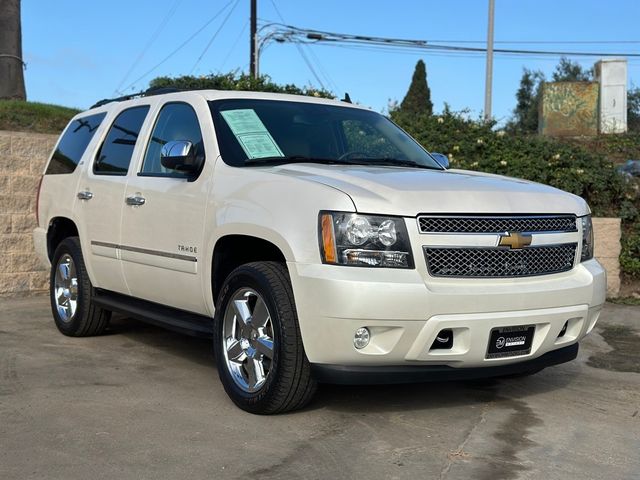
x=235 y=44
x=213 y=37
x=149 y=43
x=182 y=45
x=300 y=50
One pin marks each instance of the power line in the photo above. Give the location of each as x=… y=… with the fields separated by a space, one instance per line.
x=181 y=46
x=299 y=48
x=150 y=42
x=309 y=36
x=235 y=44
x=214 y=36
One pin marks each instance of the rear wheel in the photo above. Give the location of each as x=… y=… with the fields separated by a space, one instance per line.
x=258 y=347
x=71 y=293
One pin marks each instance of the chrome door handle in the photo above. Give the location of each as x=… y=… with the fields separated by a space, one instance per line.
x=85 y=195
x=135 y=200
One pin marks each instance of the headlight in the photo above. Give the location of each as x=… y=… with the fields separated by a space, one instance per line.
x=587 y=238
x=364 y=240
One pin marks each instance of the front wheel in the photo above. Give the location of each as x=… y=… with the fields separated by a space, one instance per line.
x=258 y=347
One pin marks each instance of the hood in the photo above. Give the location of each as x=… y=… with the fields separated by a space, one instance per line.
x=410 y=191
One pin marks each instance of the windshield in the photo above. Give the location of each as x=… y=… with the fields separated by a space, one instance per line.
x=262 y=132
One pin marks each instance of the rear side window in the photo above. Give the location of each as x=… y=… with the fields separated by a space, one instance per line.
x=115 y=153
x=73 y=143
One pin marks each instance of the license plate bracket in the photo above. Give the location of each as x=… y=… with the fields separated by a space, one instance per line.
x=510 y=341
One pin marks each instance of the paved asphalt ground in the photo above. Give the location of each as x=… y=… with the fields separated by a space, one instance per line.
x=142 y=403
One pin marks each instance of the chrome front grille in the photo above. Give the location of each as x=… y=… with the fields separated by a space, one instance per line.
x=497 y=224
x=488 y=262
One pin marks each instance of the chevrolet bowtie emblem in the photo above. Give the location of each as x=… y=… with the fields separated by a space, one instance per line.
x=514 y=240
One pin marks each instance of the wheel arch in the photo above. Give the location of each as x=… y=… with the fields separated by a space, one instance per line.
x=232 y=250
x=59 y=228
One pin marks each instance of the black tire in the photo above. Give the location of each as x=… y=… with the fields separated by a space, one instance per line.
x=88 y=319
x=289 y=384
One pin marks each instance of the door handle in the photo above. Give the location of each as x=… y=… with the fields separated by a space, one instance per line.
x=135 y=200
x=85 y=195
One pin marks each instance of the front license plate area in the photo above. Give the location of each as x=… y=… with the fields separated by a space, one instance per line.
x=510 y=341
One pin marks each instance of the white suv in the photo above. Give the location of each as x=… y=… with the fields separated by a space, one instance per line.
x=314 y=241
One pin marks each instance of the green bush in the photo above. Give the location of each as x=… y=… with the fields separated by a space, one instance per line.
x=475 y=145
x=235 y=81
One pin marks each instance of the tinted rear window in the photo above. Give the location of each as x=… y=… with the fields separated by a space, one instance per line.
x=73 y=144
x=116 y=151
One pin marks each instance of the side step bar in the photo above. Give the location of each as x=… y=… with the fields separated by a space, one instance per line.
x=174 y=319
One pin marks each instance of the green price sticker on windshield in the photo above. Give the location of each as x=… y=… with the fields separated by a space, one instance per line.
x=253 y=136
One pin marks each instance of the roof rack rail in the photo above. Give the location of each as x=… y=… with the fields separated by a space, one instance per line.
x=145 y=93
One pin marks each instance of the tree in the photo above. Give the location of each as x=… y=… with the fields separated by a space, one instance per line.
x=569 y=71
x=11 y=64
x=235 y=81
x=633 y=109
x=418 y=98
x=525 y=115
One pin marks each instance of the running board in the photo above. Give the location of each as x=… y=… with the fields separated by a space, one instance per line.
x=170 y=318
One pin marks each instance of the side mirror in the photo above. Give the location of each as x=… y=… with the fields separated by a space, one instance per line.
x=441 y=158
x=180 y=155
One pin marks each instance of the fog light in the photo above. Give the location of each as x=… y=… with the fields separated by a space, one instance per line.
x=361 y=338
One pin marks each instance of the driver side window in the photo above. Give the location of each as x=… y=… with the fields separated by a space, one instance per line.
x=176 y=121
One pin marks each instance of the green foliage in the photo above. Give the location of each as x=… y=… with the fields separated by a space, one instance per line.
x=633 y=109
x=569 y=71
x=474 y=145
x=418 y=98
x=235 y=81
x=525 y=115
x=18 y=115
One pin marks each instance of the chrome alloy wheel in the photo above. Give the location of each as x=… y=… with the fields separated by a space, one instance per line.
x=248 y=340
x=66 y=288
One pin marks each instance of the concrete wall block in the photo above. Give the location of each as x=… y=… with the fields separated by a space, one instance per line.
x=15 y=283
x=607 y=232
x=38 y=281
x=4 y=184
x=5 y=224
x=17 y=203
x=26 y=262
x=16 y=243
x=24 y=223
x=28 y=146
x=11 y=165
x=24 y=184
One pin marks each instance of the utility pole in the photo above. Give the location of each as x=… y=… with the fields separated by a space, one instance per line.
x=489 y=76
x=253 y=39
x=11 y=63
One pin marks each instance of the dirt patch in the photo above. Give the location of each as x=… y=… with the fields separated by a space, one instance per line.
x=625 y=356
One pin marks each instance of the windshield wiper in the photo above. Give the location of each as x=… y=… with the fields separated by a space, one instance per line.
x=256 y=162
x=376 y=161
x=388 y=161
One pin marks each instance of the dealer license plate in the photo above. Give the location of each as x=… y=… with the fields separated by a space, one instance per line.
x=510 y=341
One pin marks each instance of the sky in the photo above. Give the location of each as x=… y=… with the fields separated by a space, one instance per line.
x=80 y=52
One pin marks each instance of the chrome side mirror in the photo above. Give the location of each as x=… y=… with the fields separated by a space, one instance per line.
x=441 y=158
x=179 y=155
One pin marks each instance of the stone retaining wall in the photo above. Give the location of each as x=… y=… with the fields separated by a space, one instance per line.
x=22 y=159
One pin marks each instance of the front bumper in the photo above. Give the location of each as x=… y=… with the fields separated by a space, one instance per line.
x=382 y=374
x=405 y=310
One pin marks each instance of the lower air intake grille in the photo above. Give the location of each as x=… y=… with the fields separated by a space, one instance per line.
x=499 y=262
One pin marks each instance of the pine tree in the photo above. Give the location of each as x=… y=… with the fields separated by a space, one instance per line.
x=418 y=98
x=525 y=115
